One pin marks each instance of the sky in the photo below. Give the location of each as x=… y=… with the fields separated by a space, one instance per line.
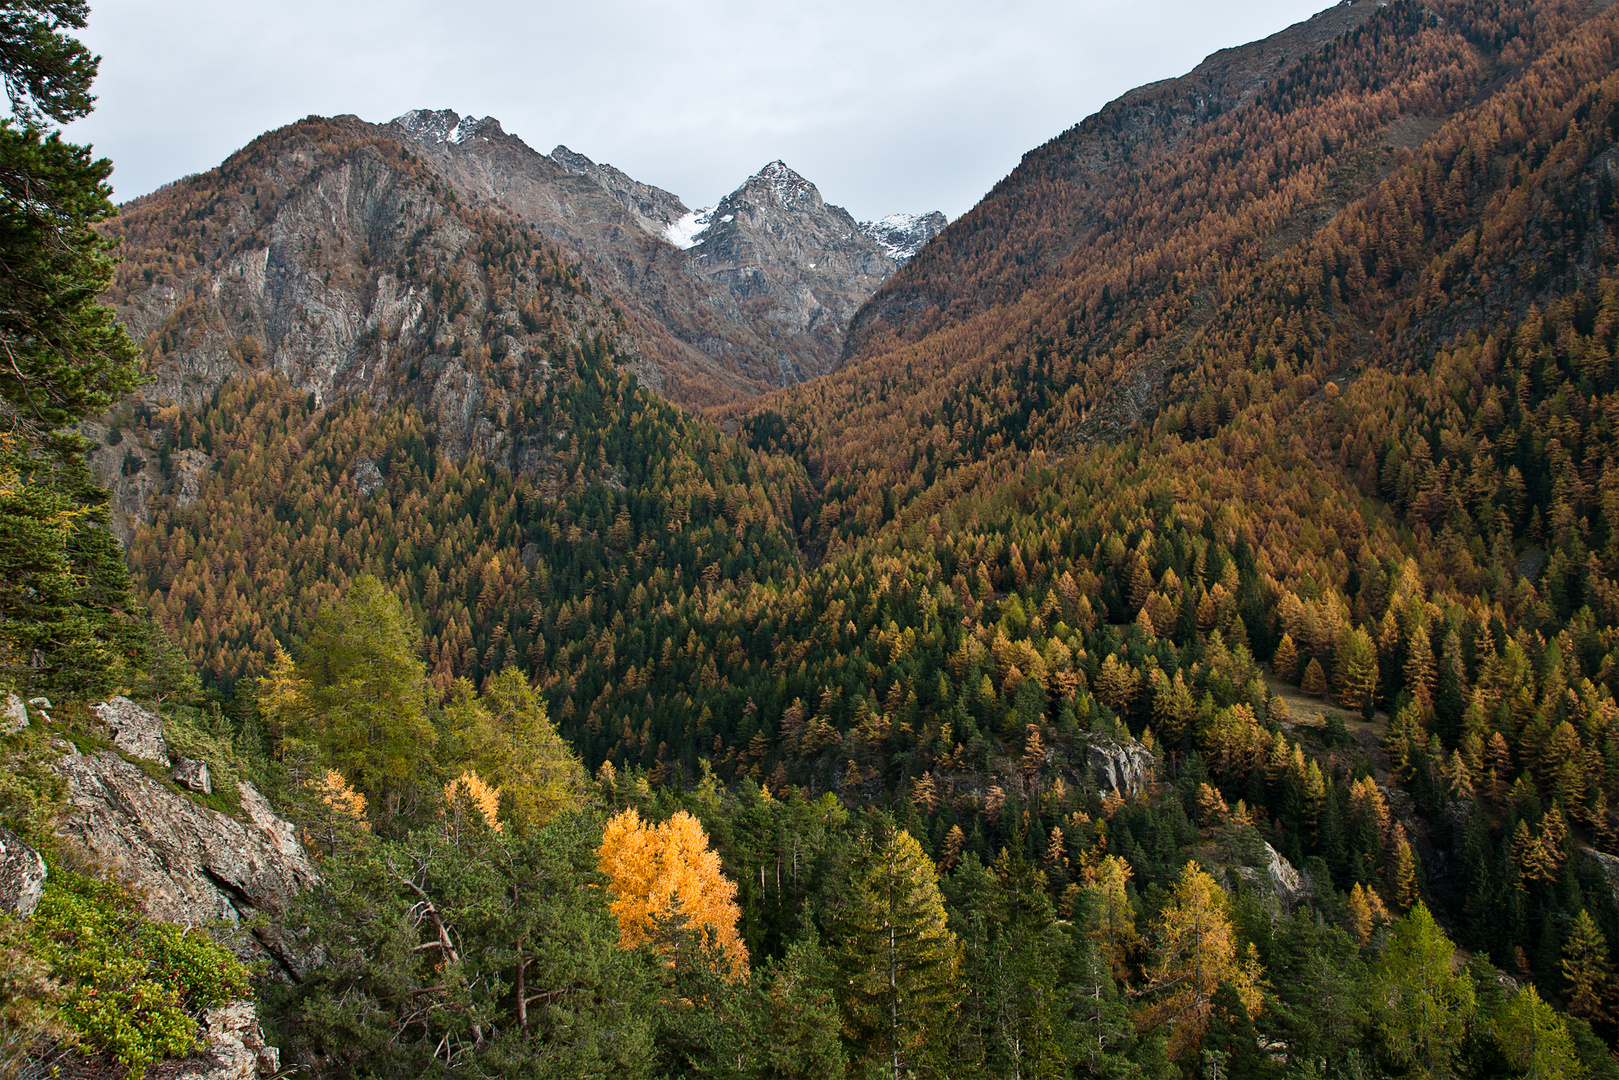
x=886 y=105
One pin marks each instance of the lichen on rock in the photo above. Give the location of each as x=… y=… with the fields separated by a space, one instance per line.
x=136 y=731
x=22 y=875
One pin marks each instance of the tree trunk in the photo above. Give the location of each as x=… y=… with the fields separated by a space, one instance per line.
x=522 y=995
x=893 y=998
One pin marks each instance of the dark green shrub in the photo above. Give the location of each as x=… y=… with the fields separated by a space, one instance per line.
x=131 y=987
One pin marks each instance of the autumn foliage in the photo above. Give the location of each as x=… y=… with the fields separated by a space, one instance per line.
x=669 y=890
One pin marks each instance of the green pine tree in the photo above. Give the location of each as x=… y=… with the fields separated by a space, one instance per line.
x=1422 y=1004
x=898 y=962
x=364 y=697
x=1014 y=979
x=1104 y=1033
x=64 y=590
x=1533 y=1038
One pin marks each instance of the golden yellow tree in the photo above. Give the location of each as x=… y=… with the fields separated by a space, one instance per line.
x=1403 y=871
x=469 y=791
x=1211 y=807
x=1286 y=661
x=954 y=840
x=1366 y=912
x=1588 y=970
x=666 y=882
x=1116 y=684
x=1315 y=679
x=1195 y=951
x=1112 y=920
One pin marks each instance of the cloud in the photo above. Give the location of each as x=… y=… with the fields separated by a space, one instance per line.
x=886 y=104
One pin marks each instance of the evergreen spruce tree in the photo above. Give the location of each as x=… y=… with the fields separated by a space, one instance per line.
x=1422 y=1004
x=1232 y=1038
x=1320 y=1003
x=1017 y=974
x=487 y=952
x=1103 y=1029
x=65 y=624
x=898 y=962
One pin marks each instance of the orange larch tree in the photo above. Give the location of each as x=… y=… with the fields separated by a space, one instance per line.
x=666 y=881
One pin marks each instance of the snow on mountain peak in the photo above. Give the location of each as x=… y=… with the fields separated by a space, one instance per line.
x=446 y=126
x=902 y=235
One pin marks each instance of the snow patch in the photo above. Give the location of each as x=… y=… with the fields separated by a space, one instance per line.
x=902 y=235
x=687 y=233
x=446 y=126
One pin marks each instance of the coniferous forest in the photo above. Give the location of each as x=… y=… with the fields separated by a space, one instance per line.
x=1181 y=640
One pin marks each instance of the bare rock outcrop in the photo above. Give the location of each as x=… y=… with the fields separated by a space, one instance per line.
x=22 y=875
x=1609 y=864
x=136 y=731
x=1278 y=876
x=193 y=864
x=193 y=774
x=13 y=715
x=235 y=1048
x=1120 y=766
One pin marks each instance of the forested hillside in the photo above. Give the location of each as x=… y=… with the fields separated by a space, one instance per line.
x=1182 y=640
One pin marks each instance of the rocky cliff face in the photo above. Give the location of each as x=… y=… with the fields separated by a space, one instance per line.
x=776 y=246
x=22 y=875
x=1277 y=876
x=439 y=260
x=1120 y=766
x=768 y=281
x=334 y=255
x=192 y=863
x=653 y=208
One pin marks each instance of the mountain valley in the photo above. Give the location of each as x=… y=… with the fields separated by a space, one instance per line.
x=1163 y=623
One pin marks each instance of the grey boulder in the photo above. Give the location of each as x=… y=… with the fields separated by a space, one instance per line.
x=22 y=875
x=136 y=731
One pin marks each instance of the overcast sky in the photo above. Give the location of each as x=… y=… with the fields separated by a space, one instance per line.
x=887 y=105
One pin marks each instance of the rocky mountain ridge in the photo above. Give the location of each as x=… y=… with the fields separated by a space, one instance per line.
x=902 y=235
x=439 y=261
x=1053 y=203
x=763 y=304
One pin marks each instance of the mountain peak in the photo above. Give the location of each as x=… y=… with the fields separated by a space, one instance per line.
x=788 y=189
x=434 y=126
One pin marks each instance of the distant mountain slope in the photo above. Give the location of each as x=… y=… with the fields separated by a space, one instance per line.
x=755 y=304
x=1317 y=176
x=762 y=303
x=331 y=254
x=1054 y=203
